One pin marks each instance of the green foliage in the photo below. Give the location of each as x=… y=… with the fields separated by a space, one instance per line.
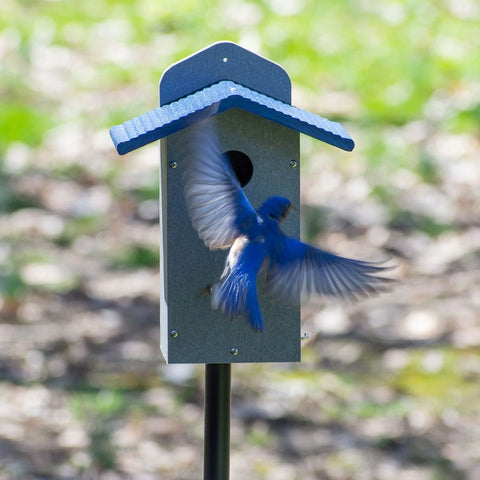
x=98 y=403
x=427 y=169
x=407 y=221
x=12 y=286
x=466 y=121
x=371 y=409
x=313 y=222
x=9 y=199
x=259 y=435
x=149 y=191
x=441 y=383
x=98 y=410
x=22 y=123
x=76 y=226
x=137 y=256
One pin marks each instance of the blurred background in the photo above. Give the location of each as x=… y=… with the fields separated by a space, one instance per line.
x=388 y=388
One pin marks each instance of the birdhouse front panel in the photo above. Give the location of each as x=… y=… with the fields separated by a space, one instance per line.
x=265 y=157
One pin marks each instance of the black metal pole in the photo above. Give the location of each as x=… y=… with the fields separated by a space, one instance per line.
x=216 y=463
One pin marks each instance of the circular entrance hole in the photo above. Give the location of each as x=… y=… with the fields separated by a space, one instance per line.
x=242 y=166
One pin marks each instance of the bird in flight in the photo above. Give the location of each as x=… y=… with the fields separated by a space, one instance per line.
x=224 y=218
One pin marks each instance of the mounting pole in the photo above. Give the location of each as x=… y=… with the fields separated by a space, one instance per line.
x=217 y=421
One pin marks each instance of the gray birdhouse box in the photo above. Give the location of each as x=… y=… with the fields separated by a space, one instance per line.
x=249 y=98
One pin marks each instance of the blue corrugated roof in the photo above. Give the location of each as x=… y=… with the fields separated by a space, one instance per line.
x=218 y=98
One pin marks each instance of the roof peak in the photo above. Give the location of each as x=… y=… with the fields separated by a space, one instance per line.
x=224 y=61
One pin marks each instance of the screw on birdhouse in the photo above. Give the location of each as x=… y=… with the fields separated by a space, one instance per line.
x=305 y=336
x=172 y=164
x=173 y=333
x=293 y=163
x=234 y=351
x=225 y=59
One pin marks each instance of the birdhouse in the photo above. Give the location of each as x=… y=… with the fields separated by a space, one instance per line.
x=249 y=101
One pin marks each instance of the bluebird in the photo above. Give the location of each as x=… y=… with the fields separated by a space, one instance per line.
x=224 y=218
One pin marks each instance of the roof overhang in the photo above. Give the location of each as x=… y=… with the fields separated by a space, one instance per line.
x=215 y=99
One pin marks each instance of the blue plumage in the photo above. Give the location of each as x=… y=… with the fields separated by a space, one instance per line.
x=224 y=218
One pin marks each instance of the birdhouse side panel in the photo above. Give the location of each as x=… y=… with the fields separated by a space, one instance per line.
x=164 y=336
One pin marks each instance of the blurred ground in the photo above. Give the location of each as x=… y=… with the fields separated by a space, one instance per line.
x=388 y=388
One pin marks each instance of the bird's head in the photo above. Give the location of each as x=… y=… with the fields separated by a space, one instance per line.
x=276 y=208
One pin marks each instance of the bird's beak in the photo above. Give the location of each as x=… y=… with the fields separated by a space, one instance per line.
x=287 y=211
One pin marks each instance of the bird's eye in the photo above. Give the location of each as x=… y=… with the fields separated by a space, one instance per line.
x=271 y=215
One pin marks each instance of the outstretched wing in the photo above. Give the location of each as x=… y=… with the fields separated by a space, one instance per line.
x=216 y=204
x=297 y=268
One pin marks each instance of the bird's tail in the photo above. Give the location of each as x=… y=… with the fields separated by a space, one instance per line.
x=236 y=295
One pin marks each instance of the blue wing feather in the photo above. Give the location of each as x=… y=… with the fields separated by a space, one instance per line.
x=216 y=204
x=296 y=268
